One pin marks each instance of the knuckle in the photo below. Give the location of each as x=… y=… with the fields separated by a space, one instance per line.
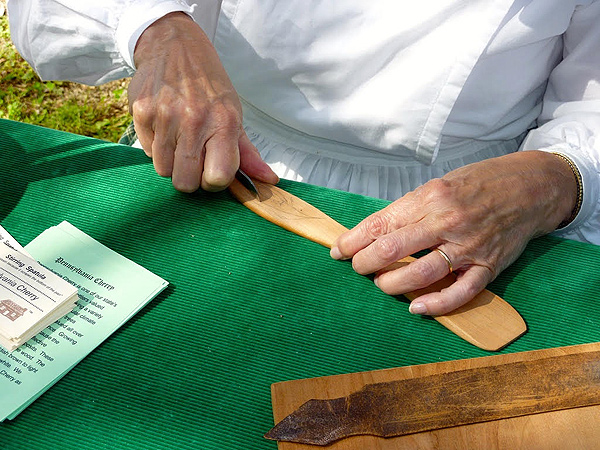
x=190 y=158
x=439 y=191
x=194 y=116
x=388 y=248
x=469 y=290
x=142 y=111
x=375 y=226
x=438 y=188
x=422 y=272
x=165 y=111
x=217 y=116
x=491 y=272
x=442 y=195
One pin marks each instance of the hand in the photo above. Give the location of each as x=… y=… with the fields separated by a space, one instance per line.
x=481 y=215
x=186 y=112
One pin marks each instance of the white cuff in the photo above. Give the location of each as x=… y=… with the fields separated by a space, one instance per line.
x=143 y=13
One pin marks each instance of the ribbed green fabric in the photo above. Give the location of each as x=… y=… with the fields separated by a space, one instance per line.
x=249 y=303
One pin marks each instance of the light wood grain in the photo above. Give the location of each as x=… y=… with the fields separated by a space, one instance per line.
x=487 y=321
x=574 y=429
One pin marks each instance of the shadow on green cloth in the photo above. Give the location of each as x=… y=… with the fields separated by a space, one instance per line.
x=79 y=155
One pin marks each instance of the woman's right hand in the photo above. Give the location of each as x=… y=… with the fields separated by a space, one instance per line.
x=186 y=112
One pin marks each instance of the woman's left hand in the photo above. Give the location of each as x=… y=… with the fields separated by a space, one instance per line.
x=481 y=216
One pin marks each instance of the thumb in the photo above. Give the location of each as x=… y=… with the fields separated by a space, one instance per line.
x=252 y=163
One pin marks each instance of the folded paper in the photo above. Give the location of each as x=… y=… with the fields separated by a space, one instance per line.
x=111 y=289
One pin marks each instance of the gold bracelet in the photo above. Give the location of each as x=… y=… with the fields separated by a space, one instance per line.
x=579 y=181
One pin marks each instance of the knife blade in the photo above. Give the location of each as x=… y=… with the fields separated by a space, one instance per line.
x=487 y=321
x=246 y=181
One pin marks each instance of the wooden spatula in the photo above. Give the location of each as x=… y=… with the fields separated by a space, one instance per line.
x=487 y=321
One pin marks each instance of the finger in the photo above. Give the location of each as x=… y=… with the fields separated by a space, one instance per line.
x=252 y=163
x=468 y=284
x=145 y=135
x=362 y=235
x=142 y=109
x=163 y=148
x=418 y=274
x=221 y=160
x=381 y=223
x=393 y=246
x=187 y=164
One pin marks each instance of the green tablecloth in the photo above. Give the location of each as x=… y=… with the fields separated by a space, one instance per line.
x=249 y=304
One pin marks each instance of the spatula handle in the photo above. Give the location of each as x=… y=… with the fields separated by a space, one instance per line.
x=487 y=321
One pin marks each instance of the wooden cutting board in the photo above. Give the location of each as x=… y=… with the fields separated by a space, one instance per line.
x=572 y=429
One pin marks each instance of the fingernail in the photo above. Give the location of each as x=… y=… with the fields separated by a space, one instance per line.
x=335 y=253
x=417 y=308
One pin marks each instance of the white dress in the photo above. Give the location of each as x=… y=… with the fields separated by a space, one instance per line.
x=370 y=97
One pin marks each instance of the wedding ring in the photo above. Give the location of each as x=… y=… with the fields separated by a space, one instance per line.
x=450 y=268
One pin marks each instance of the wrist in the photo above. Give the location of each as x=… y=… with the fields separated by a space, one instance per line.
x=170 y=27
x=549 y=189
x=577 y=198
x=137 y=16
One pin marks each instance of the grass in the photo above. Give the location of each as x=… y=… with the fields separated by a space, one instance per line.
x=99 y=112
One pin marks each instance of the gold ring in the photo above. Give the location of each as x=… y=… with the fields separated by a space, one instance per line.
x=450 y=268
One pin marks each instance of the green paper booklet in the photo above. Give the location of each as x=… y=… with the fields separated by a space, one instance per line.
x=111 y=290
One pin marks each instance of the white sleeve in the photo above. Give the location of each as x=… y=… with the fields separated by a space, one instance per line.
x=570 y=118
x=92 y=41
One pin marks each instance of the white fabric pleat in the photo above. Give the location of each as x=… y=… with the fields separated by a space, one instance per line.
x=300 y=157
